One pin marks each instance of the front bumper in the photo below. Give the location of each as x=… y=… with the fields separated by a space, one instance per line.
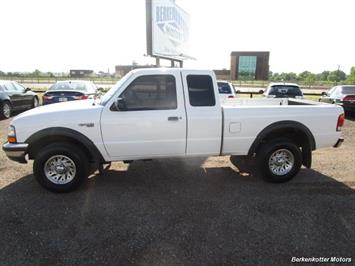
x=339 y=142
x=15 y=151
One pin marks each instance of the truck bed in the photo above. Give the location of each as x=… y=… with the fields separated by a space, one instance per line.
x=244 y=119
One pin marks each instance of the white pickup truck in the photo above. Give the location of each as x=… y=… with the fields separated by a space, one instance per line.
x=156 y=113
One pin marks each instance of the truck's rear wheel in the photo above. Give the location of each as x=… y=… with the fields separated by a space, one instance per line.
x=60 y=167
x=279 y=160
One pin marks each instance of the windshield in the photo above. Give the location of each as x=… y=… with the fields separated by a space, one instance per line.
x=69 y=86
x=348 y=90
x=280 y=90
x=224 y=88
x=105 y=98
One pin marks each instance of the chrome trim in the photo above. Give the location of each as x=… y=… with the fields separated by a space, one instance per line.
x=15 y=151
x=281 y=162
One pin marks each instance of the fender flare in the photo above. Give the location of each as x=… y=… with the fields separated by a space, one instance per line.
x=286 y=124
x=57 y=132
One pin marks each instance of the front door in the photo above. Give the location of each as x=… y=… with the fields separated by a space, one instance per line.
x=149 y=121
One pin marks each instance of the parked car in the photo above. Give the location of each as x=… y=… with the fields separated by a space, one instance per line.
x=226 y=90
x=283 y=90
x=343 y=95
x=159 y=113
x=15 y=97
x=70 y=90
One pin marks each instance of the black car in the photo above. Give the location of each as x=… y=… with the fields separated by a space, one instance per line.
x=64 y=91
x=283 y=90
x=14 y=97
x=343 y=95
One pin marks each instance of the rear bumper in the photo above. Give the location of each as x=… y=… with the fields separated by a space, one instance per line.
x=339 y=142
x=15 y=151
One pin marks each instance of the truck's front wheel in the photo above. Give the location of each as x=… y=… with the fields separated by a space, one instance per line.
x=60 y=167
x=279 y=160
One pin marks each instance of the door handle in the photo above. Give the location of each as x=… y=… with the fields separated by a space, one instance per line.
x=174 y=118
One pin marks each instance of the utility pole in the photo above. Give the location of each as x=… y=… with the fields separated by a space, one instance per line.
x=336 y=80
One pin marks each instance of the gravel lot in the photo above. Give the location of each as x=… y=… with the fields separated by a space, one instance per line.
x=173 y=212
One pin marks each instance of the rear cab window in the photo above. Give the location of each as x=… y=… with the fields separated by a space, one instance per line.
x=348 y=90
x=280 y=90
x=68 y=86
x=224 y=88
x=201 y=92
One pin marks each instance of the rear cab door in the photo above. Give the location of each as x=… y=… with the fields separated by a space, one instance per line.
x=25 y=99
x=14 y=95
x=204 y=113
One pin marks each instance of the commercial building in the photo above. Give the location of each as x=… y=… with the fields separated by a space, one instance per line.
x=122 y=70
x=249 y=66
x=80 y=73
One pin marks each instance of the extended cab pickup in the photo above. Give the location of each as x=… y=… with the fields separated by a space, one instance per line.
x=155 y=113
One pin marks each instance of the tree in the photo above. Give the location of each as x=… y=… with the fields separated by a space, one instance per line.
x=36 y=73
x=302 y=76
x=323 y=76
x=290 y=76
x=337 y=75
x=275 y=76
x=351 y=77
x=310 y=79
x=270 y=75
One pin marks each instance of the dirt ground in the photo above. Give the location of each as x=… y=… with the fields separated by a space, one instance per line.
x=171 y=212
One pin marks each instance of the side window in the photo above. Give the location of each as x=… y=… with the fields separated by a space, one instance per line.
x=151 y=92
x=332 y=90
x=335 y=92
x=9 y=87
x=1 y=89
x=18 y=87
x=201 y=91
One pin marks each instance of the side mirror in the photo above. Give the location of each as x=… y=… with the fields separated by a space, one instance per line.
x=261 y=91
x=27 y=90
x=324 y=93
x=120 y=104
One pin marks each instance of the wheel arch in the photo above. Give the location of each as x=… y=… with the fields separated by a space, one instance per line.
x=48 y=136
x=4 y=97
x=297 y=132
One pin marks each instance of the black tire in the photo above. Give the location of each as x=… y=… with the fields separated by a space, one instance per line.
x=68 y=151
x=3 y=107
x=35 y=102
x=284 y=146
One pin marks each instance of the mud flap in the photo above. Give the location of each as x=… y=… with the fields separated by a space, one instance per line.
x=307 y=157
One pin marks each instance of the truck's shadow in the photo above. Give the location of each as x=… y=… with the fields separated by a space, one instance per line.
x=350 y=116
x=176 y=212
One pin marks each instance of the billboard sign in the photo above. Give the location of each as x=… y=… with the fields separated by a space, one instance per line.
x=167 y=29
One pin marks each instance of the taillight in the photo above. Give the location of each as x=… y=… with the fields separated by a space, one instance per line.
x=348 y=98
x=45 y=97
x=81 y=97
x=230 y=96
x=340 y=123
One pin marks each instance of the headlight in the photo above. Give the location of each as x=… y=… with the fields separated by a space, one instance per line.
x=11 y=135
